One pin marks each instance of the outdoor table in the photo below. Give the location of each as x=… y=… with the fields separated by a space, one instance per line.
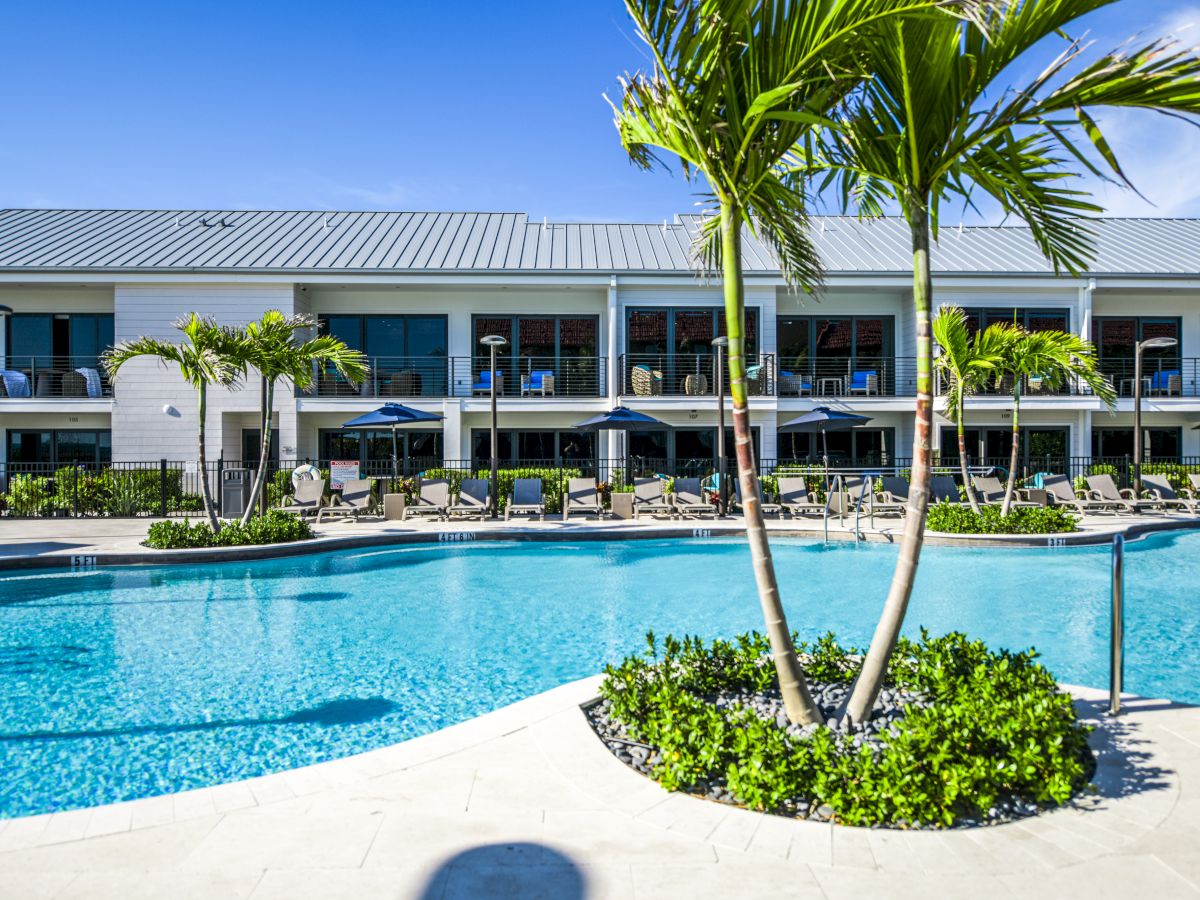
x=831 y=386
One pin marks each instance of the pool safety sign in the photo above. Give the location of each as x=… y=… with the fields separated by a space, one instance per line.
x=341 y=471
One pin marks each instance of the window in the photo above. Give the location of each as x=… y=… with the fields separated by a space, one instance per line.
x=530 y=446
x=47 y=340
x=373 y=449
x=1029 y=319
x=828 y=347
x=684 y=451
x=671 y=332
x=1116 y=338
x=252 y=446
x=566 y=347
x=1158 y=444
x=855 y=447
x=1039 y=449
x=407 y=355
x=61 y=447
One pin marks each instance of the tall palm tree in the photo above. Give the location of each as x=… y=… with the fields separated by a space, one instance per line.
x=275 y=346
x=733 y=86
x=1056 y=357
x=941 y=119
x=209 y=356
x=966 y=362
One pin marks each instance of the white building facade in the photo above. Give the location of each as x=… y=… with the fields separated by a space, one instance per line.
x=594 y=316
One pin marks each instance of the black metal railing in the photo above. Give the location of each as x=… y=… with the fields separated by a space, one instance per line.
x=467 y=376
x=689 y=374
x=1161 y=377
x=884 y=376
x=68 y=377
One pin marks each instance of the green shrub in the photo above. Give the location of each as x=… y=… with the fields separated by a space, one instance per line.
x=553 y=482
x=274 y=528
x=29 y=495
x=998 y=729
x=955 y=519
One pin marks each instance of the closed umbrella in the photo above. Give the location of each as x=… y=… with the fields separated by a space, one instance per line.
x=621 y=418
x=392 y=416
x=823 y=419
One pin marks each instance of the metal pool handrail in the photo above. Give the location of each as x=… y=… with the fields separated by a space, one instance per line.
x=1116 y=660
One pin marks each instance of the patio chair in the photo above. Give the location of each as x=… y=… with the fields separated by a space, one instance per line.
x=866 y=382
x=688 y=499
x=893 y=489
x=526 y=499
x=883 y=502
x=74 y=385
x=1193 y=489
x=944 y=489
x=1166 y=382
x=1102 y=487
x=1061 y=491
x=769 y=508
x=794 y=384
x=307 y=497
x=990 y=490
x=795 y=499
x=648 y=498
x=1160 y=492
x=484 y=383
x=433 y=499
x=539 y=381
x=695 y=385
x=645 y=381
x=474 y=501
x=357 y=498
x=582 y=499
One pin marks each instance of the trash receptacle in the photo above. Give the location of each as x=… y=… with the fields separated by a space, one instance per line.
x=235 y=491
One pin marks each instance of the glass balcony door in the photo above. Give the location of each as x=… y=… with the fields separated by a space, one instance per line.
x=543 y=356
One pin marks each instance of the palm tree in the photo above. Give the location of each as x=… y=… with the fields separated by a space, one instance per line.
x=274 y=347
x=734 y=85
x=940 y=119
x=966 y=362
x=209 y=356
x=1055 y=357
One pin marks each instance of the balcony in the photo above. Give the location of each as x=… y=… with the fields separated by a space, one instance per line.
x=1171 y=377
x=864 y=377
x=49 y=377
x=401 y=377
x=689 y=375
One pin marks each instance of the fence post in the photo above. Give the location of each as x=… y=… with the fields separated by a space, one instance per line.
x=220 y=481
x=162 y=488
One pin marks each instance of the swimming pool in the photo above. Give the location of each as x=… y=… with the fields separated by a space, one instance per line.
x=129 y=682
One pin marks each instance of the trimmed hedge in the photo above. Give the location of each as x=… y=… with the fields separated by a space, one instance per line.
x=954 y=519
x=998 y=729
x=274 y=528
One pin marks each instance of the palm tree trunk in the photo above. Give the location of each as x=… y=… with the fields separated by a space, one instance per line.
x=797 y=700
x=887 y=632
x=962 y=458
x=264 y=454
x=1016 y=446
x=210 y=508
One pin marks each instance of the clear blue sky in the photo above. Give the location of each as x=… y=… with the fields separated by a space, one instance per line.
x=372 y=105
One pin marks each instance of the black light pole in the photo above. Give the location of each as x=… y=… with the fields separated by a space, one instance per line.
x=1158 y=343
x=493 y=341
x=719 y=376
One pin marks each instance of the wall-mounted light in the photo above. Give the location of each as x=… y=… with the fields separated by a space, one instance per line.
x=169 y=410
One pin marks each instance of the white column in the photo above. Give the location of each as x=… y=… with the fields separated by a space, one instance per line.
x=1084 y=323
x=611 y=448
x=452 y=432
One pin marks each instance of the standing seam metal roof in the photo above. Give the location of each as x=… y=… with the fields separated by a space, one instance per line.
x=315 y=241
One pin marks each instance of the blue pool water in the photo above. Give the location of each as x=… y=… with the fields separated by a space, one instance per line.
x=129 y=682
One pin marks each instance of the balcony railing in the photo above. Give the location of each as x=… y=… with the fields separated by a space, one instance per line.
x=1160 y=378
x=689 y=374
x=466 y=376
x=44 y=377
x=864 y=377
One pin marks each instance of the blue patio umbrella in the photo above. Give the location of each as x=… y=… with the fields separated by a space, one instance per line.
x=392 y=416
x=621 y=418
x=823 y=419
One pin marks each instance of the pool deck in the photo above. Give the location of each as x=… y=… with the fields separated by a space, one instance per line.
x=47 y=543
x=526 y=802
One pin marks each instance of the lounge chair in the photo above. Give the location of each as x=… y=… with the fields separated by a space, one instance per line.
x=539 y=381
x=583 y=499
x=1163 y=495
x=648 y=498
x=944 y=489
x=473 y=499
x=990 y=490
x=433 y=499
x=526 y=499
x=795 y=499
x=356 y=499
x=307 y=498
x=1102 y=487
x=1061 y=492
x=688 y=499
x=893 y=489
x=880 y=502
x=1193 y=490
x=768 y=508
x=484 y=384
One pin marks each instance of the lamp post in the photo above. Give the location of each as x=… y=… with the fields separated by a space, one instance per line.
x=493 y=342
x=719 y=376
x=1158 y=343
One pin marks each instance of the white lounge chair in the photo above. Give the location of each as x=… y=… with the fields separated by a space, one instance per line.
x=526 y=499
x=1159 y=491
x=990 y=490
x=356 y=499
x=649 y=499
x=795 y=499
x=474 y=501
x=689 y=500
x=433 y=499
x=769 y=507
x=582 y=499
x=308 y=498
x=1102 y=487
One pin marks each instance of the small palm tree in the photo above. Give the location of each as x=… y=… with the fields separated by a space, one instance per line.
x=735 y=85
x=939 y=120
x=966 y=362
x=208 y=356
x=1056 y=357
x=274 y=346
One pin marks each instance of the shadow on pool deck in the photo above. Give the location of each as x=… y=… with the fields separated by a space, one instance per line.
x=344 y=711
x=1123 y=765
x=517 y=870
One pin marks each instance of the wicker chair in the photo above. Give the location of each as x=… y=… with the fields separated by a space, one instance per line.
x=74 y=385
x=694 y=385
x=646 y=382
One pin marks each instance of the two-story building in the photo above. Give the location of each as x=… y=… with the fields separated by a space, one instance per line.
x=593 y=315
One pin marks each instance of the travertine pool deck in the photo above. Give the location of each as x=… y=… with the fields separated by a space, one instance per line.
x=526 y=802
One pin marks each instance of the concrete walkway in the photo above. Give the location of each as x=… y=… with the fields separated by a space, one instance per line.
x=526 y=802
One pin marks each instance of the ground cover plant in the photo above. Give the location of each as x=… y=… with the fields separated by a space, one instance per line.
x=954 y=518
x=274 y=528
x=963 y=734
